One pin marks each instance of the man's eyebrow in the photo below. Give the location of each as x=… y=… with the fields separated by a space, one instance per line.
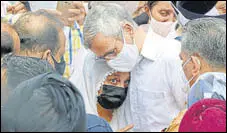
x=108 y=52
x=116 y=74
x=168 y=10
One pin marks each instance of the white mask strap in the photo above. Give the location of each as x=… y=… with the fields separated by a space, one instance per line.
x=122 y=31
x=189 y=59
x=180 y=17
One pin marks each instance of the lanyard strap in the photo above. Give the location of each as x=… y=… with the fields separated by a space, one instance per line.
x=76 y=27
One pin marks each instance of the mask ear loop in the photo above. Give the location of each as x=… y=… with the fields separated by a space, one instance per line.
x=179 y=15
x=175 y=9
x=198 y=61
x=124 y=41
x=187 y=86
x=123 y=36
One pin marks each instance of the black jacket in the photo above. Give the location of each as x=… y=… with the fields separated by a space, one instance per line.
x=47 y=102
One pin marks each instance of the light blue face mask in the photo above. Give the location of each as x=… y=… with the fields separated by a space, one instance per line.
x=208 y=85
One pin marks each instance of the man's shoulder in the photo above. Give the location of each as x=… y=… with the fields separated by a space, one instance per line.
x=156 y=47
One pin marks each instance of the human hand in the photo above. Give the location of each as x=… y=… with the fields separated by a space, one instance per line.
x=221 y=7
x=71 y=12
x=18 y=7
x=78 y=13
x=127 y=128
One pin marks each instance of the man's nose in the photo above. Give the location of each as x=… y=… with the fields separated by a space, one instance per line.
x=122 y=84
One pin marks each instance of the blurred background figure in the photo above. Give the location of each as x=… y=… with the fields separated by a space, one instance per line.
x=162 y=18
x=4 y=5
x=10 y=41
x=221 y=7
x=189 y=10
x=10 y=45
x=140 y=9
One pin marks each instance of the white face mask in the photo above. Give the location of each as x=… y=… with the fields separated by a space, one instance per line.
x=161 y=28
x=187 y=87
x=126 y=59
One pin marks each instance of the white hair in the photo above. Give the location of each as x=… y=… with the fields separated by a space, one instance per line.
x=105 y=18
x=206 y=37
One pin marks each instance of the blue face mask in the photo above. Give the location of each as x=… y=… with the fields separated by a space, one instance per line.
x=59 y=67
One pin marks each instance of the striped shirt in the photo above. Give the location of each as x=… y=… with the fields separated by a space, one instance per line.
x=73 y=44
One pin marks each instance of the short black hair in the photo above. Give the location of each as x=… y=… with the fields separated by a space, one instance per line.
x=6 y=43
x=42 y=35
x=150 y=4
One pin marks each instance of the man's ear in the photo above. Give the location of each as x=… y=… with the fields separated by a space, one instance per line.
x=196 y=66
x=46 y=55
x=128 y=31
x=128 y=28
x=146 y=8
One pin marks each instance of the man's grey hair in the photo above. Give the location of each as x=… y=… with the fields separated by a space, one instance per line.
x=206 y=37
x=106 y=19
x=39 y=30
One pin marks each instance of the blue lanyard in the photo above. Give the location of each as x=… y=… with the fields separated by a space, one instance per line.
x=70 y=46
x=11 y=20
x=76 y=26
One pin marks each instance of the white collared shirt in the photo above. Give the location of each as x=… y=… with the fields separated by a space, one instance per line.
x=156 y=95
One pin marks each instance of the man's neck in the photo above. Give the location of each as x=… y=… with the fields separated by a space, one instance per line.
x=140 y=37
x=222 y=70
x=28 y=54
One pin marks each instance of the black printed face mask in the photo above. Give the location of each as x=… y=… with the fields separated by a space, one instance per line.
x=112 y=97
x=60 y=67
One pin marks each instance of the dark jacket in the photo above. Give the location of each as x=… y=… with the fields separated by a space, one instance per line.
x=47 y=102
x=21 y=68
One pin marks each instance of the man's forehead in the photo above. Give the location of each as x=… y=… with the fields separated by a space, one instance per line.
x=102 y=44
x=100 y=37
